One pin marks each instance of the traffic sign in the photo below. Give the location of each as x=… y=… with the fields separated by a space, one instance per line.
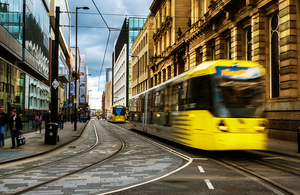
x=55 y=84
x=70 y=105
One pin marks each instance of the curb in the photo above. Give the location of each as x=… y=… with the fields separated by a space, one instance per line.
x=45 y=152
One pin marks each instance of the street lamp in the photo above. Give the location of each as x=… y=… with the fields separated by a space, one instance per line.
x=137 y=72
x=76 y=72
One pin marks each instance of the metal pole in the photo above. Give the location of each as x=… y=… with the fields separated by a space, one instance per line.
x=54 y=70
x=75 y=112
x=298 y=134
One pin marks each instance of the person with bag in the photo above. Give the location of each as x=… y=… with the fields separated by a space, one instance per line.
x=61 y=120
x=3 y=121
x=47 y=117
x=15 y=126
x=38 y=121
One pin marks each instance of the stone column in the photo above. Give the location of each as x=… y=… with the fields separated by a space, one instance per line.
x=236 y=42
x=220 y=47
x=206 y=52
x=193 y=58
x=288 y=48
x=259 y=39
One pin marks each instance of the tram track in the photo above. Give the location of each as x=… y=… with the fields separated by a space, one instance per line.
x=53 y=162
x=45 y=152
x=269 y=183
x=259 y=177
x=50 y=180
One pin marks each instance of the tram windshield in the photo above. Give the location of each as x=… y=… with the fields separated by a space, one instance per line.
x=119 y=111
x=241 y=98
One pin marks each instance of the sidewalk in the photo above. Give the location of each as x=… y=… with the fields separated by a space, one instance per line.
x=35 y=142
x=283 y=147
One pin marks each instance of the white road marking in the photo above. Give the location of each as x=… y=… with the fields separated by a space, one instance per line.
x=189 y=159
x=200 y=158
x=209 y=185
x=201 y=169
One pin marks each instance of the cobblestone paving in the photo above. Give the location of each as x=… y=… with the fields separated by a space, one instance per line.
x=139 y=162
x=49 y=158
x=16 y=183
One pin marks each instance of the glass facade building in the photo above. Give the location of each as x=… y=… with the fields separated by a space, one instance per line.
x=19 y=87
x=36 y=28
x=22 y=92
x=134 y=27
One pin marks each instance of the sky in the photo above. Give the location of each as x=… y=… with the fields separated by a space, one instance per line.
x=93 y=35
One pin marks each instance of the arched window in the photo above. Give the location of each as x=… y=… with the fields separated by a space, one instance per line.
x=274 y=66
x=249 y=44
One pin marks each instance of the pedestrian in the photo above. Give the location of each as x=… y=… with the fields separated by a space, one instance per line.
x=3 y=121
x=61 y=120
x=15 y=127
x=32 y=118
x=47 y=117
x=81 y=117
x=38 y=121
x=72 y=118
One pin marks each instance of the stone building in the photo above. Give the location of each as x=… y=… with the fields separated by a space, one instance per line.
x=142 y=50
x=264 y=31
x=171 y=18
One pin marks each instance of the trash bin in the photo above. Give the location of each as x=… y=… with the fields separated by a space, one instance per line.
x=51 y=136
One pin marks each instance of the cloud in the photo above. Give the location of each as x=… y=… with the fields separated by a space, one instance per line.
x=92 y=41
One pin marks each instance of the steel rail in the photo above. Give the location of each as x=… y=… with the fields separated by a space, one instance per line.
x=81 y=169
x=53 y=162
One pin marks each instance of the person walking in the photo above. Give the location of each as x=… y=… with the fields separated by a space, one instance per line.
x=61 y=120
x=47 y=117
x=32 y=118
x=72 y=118
x=38 y=121
x=3 y=121
x=15 y=126
x=81 y=117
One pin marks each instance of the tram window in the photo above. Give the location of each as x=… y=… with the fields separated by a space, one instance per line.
x=159 y=100
x=175 y=97
x=119 y=111
x=142 y=104
x=184 y=92
x=200 y=94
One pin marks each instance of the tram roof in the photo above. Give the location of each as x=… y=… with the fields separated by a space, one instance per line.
x=118 y=105
x=206 y=68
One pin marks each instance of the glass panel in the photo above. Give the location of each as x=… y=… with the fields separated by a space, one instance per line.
x=238 y=98
x=274 y=22
x=275 y=64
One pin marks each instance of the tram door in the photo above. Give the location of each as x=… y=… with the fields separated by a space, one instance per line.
x=167 y=108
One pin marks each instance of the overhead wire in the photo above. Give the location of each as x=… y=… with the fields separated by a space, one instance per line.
x=105 y=47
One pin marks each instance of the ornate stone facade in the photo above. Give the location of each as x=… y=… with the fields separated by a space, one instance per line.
x=188 y=33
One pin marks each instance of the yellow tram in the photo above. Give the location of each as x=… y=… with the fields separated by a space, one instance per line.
x=117 y=113
x=217 y=105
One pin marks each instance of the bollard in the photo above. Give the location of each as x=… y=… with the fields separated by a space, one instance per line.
x=298 y=135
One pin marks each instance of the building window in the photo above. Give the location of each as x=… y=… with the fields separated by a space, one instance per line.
x=213 y=53
x=274 y=66
x=159 y=77
x=169 y=72
x=249 y=44
x=164 y=75
x=228 y=48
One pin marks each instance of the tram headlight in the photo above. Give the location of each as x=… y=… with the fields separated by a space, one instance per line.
x=262 y=127
x=222 y=126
